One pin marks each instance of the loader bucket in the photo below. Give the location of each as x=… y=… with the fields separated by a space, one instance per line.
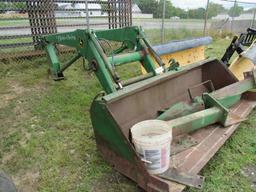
x=114 y=114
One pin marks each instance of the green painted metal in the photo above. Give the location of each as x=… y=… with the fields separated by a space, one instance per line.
x=101 y=71
x=187 y=118
x=194 y=121
x=147 y=62
x=230 y=100
x=55 y=64
x=137 y=79
x=106 y=128
x=126 y=58
x=210 y=101
x=180 y=109
x=128 y=35
x=235 y=89
x=86 y=43
x=103 y=57
x=70 y=62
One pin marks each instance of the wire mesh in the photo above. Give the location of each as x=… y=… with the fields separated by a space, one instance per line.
x=239 y=17
x=23 y=22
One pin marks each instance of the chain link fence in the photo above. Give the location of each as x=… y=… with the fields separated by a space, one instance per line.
x=212 y=17
x=23 y=22
x=240 y=16
x=165 y=24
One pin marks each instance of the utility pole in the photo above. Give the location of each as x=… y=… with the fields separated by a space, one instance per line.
x=87 y=15
x=233 y=15
x=163 y=18
x=206 y=17
x=254 y=16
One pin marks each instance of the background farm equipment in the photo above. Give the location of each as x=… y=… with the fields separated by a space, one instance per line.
x=202 y=103
x=244 y=46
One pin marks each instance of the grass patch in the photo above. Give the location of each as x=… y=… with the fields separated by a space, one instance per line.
x=154 y=36
x=47 y=142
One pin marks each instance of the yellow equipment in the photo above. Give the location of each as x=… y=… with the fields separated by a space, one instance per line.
x=245 y=46
x=183 y=52
x=189 y=51
x=244 y=62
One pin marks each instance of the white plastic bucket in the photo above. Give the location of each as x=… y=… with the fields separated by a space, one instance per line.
x=152 y=140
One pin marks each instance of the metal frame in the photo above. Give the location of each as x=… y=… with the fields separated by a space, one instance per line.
x=238 y=43
x=86 y=43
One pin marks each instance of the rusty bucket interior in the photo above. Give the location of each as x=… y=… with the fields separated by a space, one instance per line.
x=143 y=103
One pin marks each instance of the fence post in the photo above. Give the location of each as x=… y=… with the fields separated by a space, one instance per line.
x=253 y=19
x=163 y=18
x=130 y=11
x=87 y=14
x=233 y=16
x=206 y=17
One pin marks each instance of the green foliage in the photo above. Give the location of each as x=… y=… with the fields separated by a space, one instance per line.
x=196 y=13
x=105 y=7
x=235 y=11
x=147 y=6
x=3 y=6
x=21 y=6
x=180 y=13
x=156 y=8
x=169 y=9
x=214 y=9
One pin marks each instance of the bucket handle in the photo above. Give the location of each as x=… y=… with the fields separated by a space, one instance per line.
x=198 y=85
x=146 y=161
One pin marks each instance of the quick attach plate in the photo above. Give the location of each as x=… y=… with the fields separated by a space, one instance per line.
x=183 y=178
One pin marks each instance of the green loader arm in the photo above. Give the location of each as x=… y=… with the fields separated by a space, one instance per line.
x=87 y=45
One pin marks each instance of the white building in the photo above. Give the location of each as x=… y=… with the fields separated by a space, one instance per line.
x=245 y=16
x=137 y=13
x=225 y=16
x=79 y=10
x=135 y=8
x=222 y=16
x=175 y=18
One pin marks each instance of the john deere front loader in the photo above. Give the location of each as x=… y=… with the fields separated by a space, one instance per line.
x=203 y=102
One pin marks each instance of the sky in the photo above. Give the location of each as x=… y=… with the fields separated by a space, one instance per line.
x=191 y=4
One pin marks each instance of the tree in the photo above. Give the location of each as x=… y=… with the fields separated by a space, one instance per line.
x=3 y=6
x=105 y=7
x=169 y=9
x=180 y=13
x=21 y=6
x=214 y=9
x=235 y=11
x=196 y=13
x=147 y=6
x=155 y=7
